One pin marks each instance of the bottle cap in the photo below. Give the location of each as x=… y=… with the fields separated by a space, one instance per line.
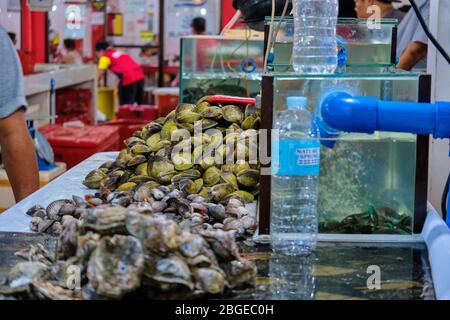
x=297 y=102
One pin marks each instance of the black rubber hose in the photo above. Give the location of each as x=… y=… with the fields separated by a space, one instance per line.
x=428 y=32
x=445 y=199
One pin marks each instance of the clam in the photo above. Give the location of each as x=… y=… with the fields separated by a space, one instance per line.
x=122 y=159
x=140 y=179
x=240 y=166
x=94 y=179
x=32 y=211
x=248 y=177
x=182 y=161
x=230 y=178
x=188 y=116
x=220 y=191
x=131 y=142
x=211 y=176
x=127 y=187
x=241 y=195
x=140 y=149
x=217 y=211
x=137 y=160
x=169 y=127
x=159 y=167
x=233 y=114
x=251 y=122
x=143 y=193
x=214 y=113
x=201 y=106
x=183 y=107
x=209 y=124
x=54 y=209
x=188 y=186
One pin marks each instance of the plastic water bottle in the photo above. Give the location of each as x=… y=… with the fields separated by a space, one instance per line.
x=293 y=277
x=315 y=46
x=295 y=171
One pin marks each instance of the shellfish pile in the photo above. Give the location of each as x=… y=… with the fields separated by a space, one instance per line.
x=115 y=253
x=163 y=223
x=197 y=164
x=203 y=149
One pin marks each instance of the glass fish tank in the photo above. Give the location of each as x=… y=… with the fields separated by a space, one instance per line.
x=369 y=184
x=369 y=47
x=218 y=65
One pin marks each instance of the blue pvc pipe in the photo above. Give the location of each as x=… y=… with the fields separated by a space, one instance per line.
x=342 y=112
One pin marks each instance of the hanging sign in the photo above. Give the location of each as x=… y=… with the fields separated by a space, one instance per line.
x=75 y=26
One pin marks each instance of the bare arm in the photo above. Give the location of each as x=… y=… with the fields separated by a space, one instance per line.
x=19 y=155
x=415 y=52
x=100 y=74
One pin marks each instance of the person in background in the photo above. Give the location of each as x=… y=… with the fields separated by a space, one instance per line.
x=130 y=73
x=147 y=53
x=13 y=37
x=198 y=26
x=387 y=9
x=72 y=56
x=53 y=46
x=18 y=151
x=412 y=44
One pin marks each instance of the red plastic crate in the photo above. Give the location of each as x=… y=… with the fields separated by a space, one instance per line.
x=143 y=112
x=73 y=145
x=126 y=129
x=166 y=100
x=73 y=101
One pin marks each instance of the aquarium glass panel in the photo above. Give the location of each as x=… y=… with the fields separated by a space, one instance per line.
x=368 y=47
x=367 y=182
x=214 y=65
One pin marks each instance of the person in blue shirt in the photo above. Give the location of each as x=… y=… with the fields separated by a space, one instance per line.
x=412 y=47
x=17 y=148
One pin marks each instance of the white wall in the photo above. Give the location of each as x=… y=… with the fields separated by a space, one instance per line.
x=10 y=21
x=439 y=68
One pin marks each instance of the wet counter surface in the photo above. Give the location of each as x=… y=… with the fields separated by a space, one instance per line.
x=339 y=271
x=335 y=271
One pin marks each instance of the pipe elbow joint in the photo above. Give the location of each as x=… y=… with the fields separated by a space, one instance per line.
x=345 y=113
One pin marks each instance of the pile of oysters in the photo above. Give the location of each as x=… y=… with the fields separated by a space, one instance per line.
x=118 y=253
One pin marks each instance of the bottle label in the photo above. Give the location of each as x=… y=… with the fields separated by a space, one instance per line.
x=296 y=157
